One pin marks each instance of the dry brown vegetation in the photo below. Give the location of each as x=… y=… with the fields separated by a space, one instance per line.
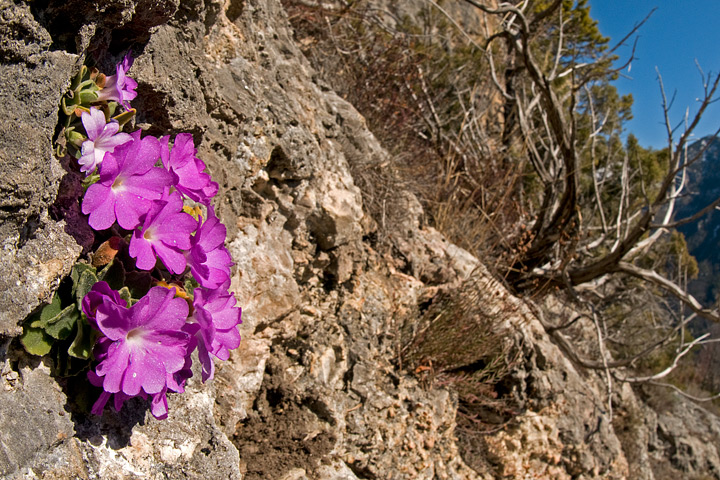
x=514 y=151
x=431 y=105
x=465 y=340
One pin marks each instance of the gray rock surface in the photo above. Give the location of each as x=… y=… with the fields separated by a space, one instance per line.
x=315 y=390
x=686 y=439
x=35 y=252
x=33 y=422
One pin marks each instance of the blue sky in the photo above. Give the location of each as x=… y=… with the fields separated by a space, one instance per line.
x=677 y=34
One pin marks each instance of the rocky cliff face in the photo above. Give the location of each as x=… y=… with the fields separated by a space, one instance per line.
x=315 y=390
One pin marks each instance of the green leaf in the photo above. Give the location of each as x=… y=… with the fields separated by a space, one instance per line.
x=74 y=137
x=190 y=285
x=112 y=108
x=77 y=272
x=125 y=295
x=87 y=181
x=113 y=274
x=78 y=78
x=125 y=117
x=87 y=97
x=51 y=310
x=61 y=325
x=84 y=285
x=67 y=108
x=82 y=345
x=60 y=151
x=36 y=341
x=87 y=86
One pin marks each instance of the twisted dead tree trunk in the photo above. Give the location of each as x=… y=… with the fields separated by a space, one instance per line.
x=565 y=250
x=557 y=219
x=547 y=123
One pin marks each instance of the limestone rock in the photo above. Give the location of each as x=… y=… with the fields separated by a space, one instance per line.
x=316 y=389
x=36 y=252
x=132 y=444
x=34 y=426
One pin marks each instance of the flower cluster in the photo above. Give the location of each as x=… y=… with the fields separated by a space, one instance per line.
x=156 y=193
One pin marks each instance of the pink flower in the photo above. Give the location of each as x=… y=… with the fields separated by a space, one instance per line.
x=102 y=137
x=214 y=324
x=143 y=350
x=128 y=184
x=208 y=258
x=190 y=178
x=119 y=87
x=96 y=296
x=165 y=232
x=158 y=406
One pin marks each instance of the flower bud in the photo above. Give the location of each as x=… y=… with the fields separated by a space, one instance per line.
x=99 y=78
x=74 y=137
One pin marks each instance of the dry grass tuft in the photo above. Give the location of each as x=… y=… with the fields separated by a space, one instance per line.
x=465 y=340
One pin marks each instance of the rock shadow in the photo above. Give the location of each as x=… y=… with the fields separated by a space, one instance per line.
x=113 y=428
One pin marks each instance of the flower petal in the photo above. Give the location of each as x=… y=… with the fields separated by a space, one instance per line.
x=94 y=122
x=159 y=406
x=142 y=251
x=129 y=208
x=143 y=371
x=99 y=405
x=113 y=367
x=173 y=258
x=100 y=204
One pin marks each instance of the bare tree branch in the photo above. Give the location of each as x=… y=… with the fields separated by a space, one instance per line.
x=664 y=373
x=670 y=287
x=685 y=394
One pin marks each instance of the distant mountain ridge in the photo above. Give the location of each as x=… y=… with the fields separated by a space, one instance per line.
x=703 y=235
